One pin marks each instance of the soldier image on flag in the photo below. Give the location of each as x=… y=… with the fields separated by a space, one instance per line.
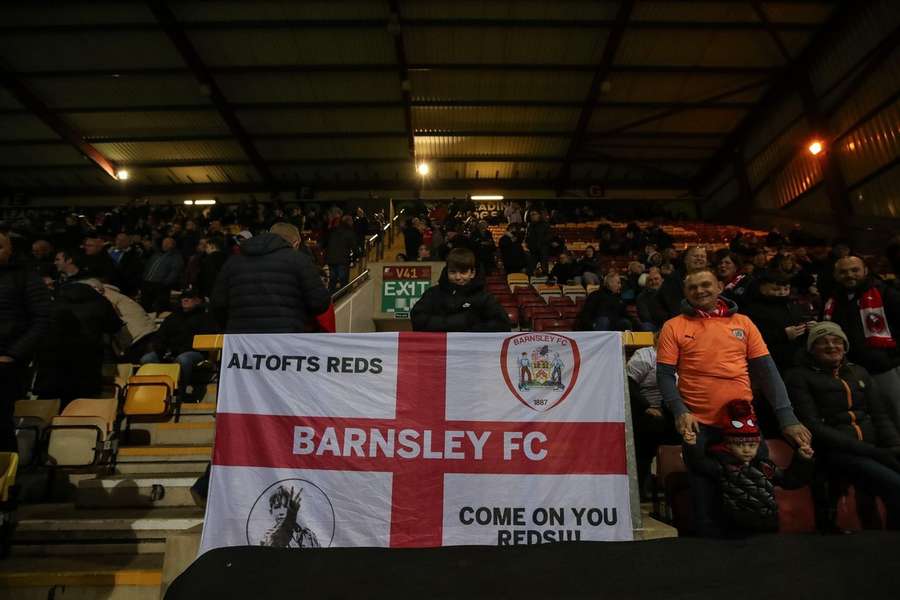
x=287 y=531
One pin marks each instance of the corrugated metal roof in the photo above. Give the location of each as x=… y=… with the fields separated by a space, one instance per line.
x=337 y=149
x=24 y=127
x=705 y=48
x=69 y=13
x=147 y=123
x=700 y=120
x=140 y=151
x=694 y=11
x=509 y=9
x=676 y=87
x=315 y=120
x=438 y=146
x=484 y=44
x=280 y=9
x=310 y=87
x=293 y=46
x=108 y=49
x=494 y=118
x=490 y=171
x=500 y=85
x=117 y=91
x=39 y=155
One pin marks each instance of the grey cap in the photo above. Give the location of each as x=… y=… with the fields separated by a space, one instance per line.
x=825 y=328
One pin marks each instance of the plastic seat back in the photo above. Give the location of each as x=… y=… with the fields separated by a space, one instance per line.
x=76 y=441
x=148 y=395
x=9 y=465
x=170 y=370
x=99 y=408
x=39 y=409
x=796 y=511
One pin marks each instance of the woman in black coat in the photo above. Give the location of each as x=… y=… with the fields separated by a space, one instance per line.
x=840 y=404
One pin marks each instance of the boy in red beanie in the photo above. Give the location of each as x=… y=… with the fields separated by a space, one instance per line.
x=747 y=482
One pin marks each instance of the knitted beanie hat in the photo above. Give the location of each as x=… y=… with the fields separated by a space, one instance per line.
x=825 y=328
x=740 y=422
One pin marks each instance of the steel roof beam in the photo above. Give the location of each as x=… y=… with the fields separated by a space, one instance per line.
x=327 y=135
x=613 y=41
x=378 y=24
x=403 y=73
x=51 y=119
x=175 y=32
x=716 y=70
x=364 y=104
x=782 y=88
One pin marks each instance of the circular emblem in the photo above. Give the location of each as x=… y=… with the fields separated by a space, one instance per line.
x=875 y=322
x=291 y=513
x=540 y=369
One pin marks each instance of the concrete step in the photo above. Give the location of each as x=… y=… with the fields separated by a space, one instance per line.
x=99 y=546
x=65 y=524
x=145 y=490
x=199 y=411
x=169 y=458
x=82 y=577
x=196 y=432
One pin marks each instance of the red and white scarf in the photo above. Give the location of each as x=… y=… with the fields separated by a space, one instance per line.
x=874 y=321
x=721 y=310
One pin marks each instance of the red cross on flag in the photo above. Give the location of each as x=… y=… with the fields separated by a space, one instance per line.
x=418 y=440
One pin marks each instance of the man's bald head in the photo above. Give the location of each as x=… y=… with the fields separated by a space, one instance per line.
x=850 y=272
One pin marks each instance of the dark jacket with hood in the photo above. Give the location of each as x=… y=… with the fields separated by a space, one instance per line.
x=269 y=288
x=846 y=314
x=601 y=303
x=449 y=307
x=771 y=316
x=748 y=489
x=24 y=311
x=340 y=245
x=842 y=409
x=650 y=308
x=176 y=334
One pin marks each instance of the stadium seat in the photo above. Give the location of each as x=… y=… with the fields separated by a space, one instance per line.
x=31 y=418
x=547 y=324
x=796 y=510
x=79 y=436
x=170 y=370
x=569 y=312
x=148 y=396
x=9 y=465
x=668 y=462
x=517 y=280
x=538 y=280
x=855 y=511
x=560 y=301
x=591 y=288
x=512 y=313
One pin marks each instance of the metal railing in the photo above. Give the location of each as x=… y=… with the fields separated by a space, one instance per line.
x=373 y=249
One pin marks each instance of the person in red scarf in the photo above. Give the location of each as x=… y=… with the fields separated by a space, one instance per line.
x=869 y=313
x=715 y=352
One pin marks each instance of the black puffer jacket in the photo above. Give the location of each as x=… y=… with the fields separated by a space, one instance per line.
x=843 y=409
x=748 y=489
x=449 y=307
x=601 y=303
x=771 y=316
x=176 y=334
x=269 y=288
x=24 y=311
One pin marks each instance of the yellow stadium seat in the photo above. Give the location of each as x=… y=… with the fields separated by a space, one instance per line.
x=208 y=342
x=515 y=280
x=170 y=370
x=638 y=339
x=79 y=436
x=148 y=395
x=31 y=417
x=9 y=465
x=592 y=288
x=39 y=409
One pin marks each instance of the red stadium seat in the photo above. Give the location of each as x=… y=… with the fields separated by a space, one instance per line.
x=547 y=324
x=796 y=511
x=561 y=301
x=512 y=313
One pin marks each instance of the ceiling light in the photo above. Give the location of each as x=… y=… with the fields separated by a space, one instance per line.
x=815 y=147
x=423 y=169
x=122 y=174
x=189 y=202
x=487 y=197
x=204 y=202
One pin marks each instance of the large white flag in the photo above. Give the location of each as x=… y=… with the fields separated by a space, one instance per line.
x=416 y=440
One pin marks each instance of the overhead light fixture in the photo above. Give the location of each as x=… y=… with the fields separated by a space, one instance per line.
x=203 y=202
x=487 y=197
x=423 y=169
x=122 y=174
x=189 y=202
x=815 y=147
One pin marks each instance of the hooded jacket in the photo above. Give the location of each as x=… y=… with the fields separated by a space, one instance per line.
x=841 y=408
x=450 y=307
x=771 y=316
x=269 y=288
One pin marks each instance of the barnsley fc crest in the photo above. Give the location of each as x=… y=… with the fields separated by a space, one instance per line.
x=540 y=369
x=291 y=513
